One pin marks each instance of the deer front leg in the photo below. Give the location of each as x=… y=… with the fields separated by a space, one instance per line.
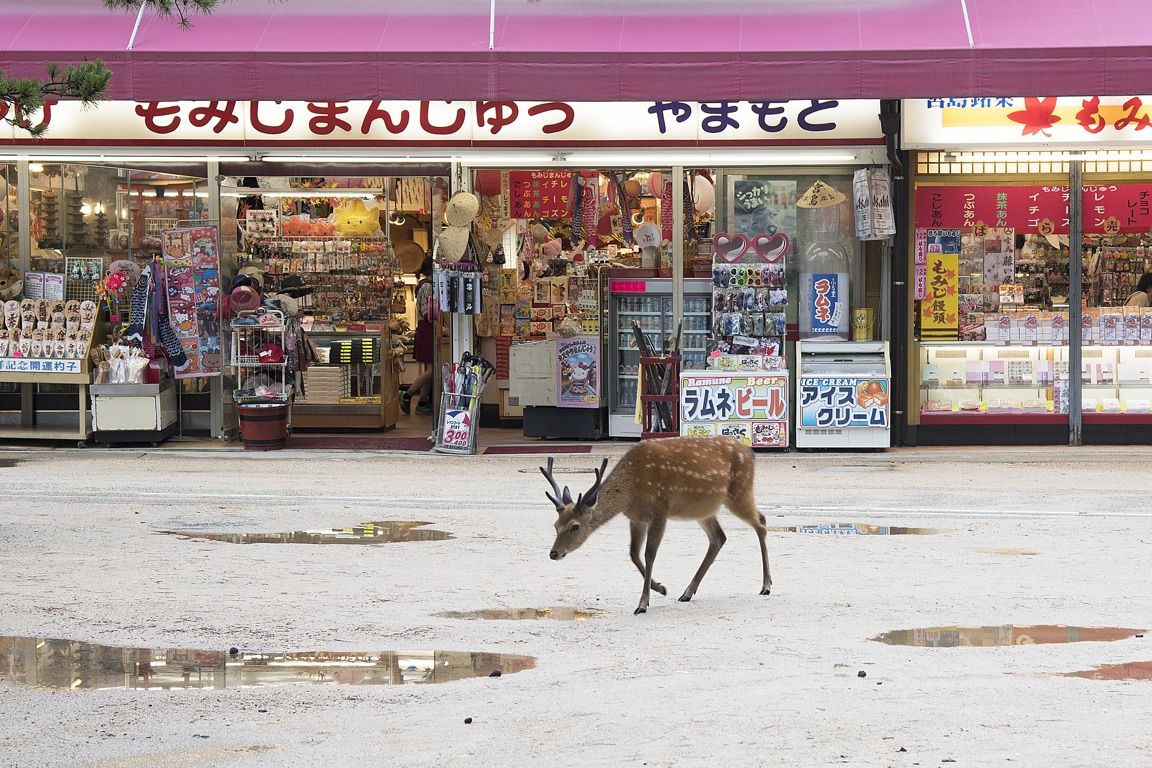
x=655 y=535
x=638 y=530
x=716 y=539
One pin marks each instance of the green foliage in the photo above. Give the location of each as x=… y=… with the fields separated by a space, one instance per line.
x=181 y=10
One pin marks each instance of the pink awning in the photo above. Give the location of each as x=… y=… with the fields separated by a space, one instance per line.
x=597 y=50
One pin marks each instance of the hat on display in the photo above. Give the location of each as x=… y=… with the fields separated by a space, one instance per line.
x=410 y=255
x=271 y=353
x=243 y=298
x=294 y=286
x=462 y=208
x=285 y=303
x=647 y=235
x=253 y=272
x=453 y=243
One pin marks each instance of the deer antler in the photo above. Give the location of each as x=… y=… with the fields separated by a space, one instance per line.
x=590 y=496
x=555 y=487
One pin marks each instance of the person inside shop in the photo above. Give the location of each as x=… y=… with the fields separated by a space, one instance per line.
x=422 y=344
x=1142 y=296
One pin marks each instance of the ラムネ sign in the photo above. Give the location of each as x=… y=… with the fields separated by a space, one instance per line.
x=751 y=407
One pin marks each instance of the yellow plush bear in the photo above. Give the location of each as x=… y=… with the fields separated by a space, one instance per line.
x=356 y=219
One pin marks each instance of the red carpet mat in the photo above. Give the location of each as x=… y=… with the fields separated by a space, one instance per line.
x=496 y=450
x=355 y=443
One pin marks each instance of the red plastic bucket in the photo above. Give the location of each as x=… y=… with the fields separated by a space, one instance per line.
x=263 y=426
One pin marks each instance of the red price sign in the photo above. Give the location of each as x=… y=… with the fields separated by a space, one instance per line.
x=457 y=429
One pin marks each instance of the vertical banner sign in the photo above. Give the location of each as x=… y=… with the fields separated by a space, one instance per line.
x=578 y=372
x=833 y=403
x=751 y=407
x=539 y=194
x=920 y=266
x=939 y=312
x=872 y=202
x=192 y=280
x=826 y=303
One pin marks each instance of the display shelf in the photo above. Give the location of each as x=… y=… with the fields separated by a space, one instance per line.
x=312 y=413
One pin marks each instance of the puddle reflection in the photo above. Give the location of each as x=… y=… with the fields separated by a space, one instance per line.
x=8 y=463
x=66 y=664
x=1135 y=670
x=857 y=529
x=385 y=532
x=557 y=613
x=1007 y=634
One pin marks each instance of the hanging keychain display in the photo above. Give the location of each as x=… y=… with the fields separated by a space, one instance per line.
x=459 y=289
x=748 y=299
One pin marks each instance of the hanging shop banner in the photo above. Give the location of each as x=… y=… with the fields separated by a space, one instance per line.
x=1039 y=122
x=836 y=402
x=539 y=194
x=920 y=266
x=452 y=123
x=192 y=280
x=939 y=312
x=872 y=201
x=752 y=407
x=578 y=372
x=826 y=302
x=1107 y=208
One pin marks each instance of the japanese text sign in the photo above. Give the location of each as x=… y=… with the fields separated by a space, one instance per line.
x=1107 y=208
x=940 y=309
x=539 y=194
x=751 y=407
x=833 y=403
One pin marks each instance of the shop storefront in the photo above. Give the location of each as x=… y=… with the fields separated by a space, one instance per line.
x=582 y=226
x=1032 y=230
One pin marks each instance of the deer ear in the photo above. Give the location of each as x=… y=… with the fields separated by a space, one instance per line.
x=567 y=495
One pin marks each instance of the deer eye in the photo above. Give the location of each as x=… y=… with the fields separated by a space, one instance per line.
x=574 y=527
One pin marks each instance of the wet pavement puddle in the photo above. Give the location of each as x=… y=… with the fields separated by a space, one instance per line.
x=1133 y=670
x=857 y=529
x=1012 y=551
x=7 y=463
x=857 y=468
x=65 y=664
x=1007 y=634
x=384 y=532
x=556 y=613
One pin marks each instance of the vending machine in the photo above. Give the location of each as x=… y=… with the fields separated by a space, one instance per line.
x=648 y=302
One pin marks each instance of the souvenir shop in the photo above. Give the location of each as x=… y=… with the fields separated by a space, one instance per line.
x=1031 y=235
x=561 y=266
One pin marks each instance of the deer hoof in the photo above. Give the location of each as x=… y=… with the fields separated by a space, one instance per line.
x=660 y=588
x=639 y=610
x=684 y=598
x=766 y=591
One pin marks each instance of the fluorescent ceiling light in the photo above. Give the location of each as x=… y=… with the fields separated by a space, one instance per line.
x=1064 y=156
x=125 y=158
x=499 y=159
x=750 y=156
x=305 y=193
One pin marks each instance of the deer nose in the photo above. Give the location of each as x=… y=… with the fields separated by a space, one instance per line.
x=554 y=555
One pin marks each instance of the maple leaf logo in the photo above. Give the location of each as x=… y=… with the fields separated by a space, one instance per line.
x=1037 y=116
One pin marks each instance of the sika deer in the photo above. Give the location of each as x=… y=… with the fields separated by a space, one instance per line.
x=679 y=478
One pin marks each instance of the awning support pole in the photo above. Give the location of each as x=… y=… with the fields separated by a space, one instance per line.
x=136 y=27
x=492 y=26
x=1075 y=302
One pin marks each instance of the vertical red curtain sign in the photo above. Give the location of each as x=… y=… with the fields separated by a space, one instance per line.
x=192 y=283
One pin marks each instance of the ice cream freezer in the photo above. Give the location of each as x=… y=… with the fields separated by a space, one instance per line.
x=843 y=394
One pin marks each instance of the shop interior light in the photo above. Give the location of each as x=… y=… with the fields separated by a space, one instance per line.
x=316 y=192
x=489 y=159
x=1066 y=156
x=747 y=157
x=98 y=159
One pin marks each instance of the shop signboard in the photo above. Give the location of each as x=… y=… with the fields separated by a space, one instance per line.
x=539 y=194
x=452 y=123
x=940 y=310
x=749 y=406
x=26 y=365
x=457 y=429
x=1038 y=122
x=578 y=372
x=1107 y=208
x=843 y=402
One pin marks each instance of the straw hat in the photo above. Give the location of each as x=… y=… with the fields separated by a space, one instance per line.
x=453 y=243
x=462 y=209
x=410 y=255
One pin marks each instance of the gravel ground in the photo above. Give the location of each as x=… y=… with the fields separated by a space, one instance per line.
x=1037 y=536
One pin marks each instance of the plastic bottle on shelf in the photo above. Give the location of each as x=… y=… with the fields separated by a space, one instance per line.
x=824 y=289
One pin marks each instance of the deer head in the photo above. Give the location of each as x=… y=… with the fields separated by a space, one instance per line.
x=576 y=519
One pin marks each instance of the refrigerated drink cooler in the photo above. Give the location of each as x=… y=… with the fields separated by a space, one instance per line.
x=843 y=392
x=648 y=301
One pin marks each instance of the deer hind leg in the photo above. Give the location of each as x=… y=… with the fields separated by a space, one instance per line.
x=744 y=507
x=716 y=539
x=655 y=535
x=638 y=530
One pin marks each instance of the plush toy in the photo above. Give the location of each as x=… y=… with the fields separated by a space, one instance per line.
x=357 y=219
x=11 y=285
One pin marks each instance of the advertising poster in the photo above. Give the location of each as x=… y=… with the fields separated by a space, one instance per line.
x=539 y=194
x=940 y=310
x=578 y=372
x=762 y=207
x=827 y=302
x=751 y=407
x=835 y=402
x=192 y=280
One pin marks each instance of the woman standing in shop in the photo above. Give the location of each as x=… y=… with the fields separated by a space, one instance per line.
x=1142 y=296
x=422 y=347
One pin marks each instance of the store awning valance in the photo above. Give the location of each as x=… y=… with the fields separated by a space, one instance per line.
x=596 y=50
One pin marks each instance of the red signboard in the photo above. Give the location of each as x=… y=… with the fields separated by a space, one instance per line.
x=1107 y=208
x=539 y=194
